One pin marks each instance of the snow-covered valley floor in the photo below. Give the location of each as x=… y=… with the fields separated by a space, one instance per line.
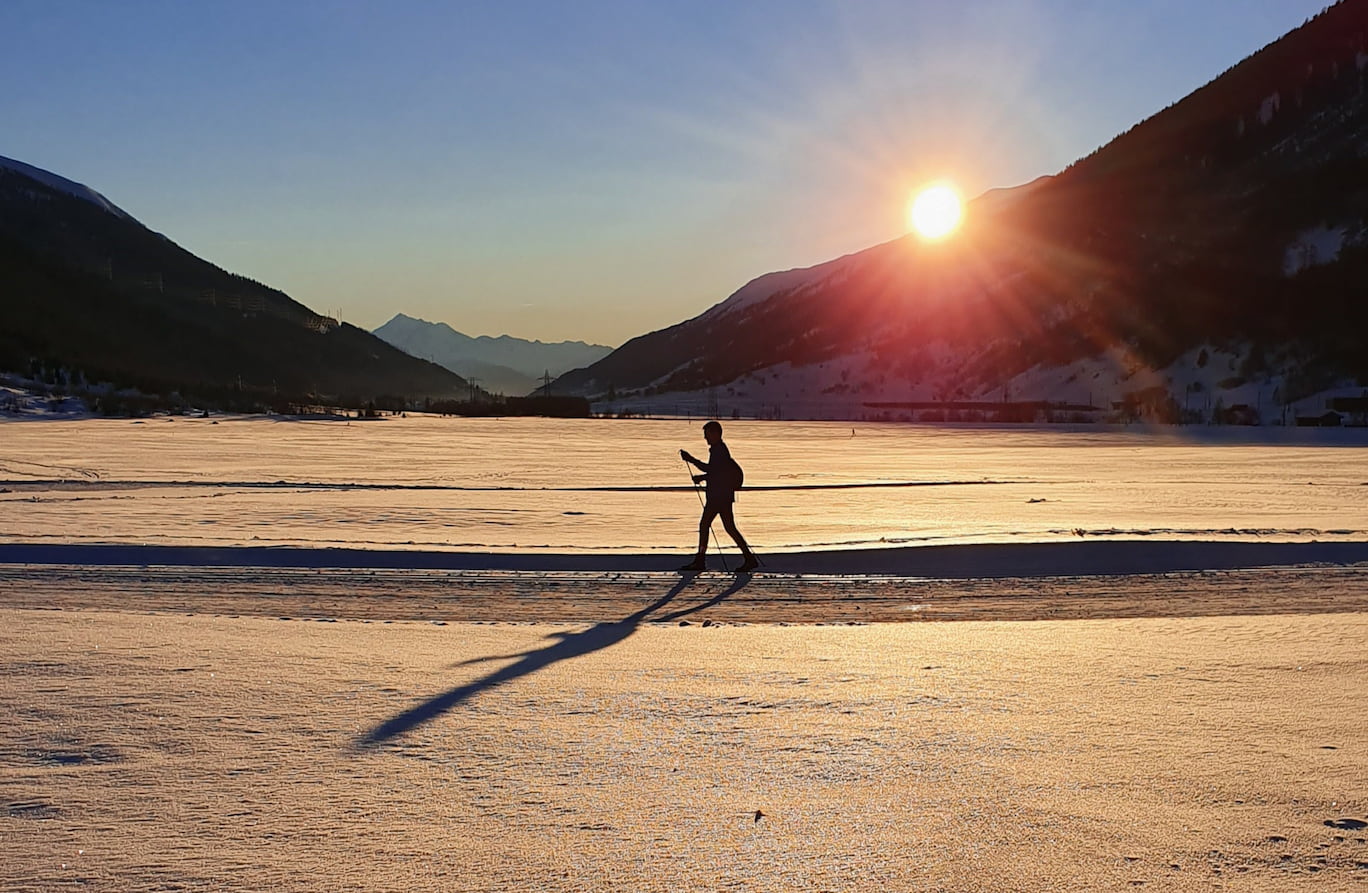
x=198 y=750
x=609 y=487
x=308 y=656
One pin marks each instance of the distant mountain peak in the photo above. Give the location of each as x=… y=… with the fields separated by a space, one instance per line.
x=62 y=184
x=402 y=319
x=503 y=363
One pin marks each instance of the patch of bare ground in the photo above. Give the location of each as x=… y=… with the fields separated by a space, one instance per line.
x=583 y=596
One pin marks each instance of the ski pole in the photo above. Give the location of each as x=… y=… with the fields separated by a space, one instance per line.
x=712 y=533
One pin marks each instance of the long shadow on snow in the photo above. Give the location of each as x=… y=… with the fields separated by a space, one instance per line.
x=570 y=645
x=715 y=600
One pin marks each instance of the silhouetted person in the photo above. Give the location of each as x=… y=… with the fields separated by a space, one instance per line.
x=723 y=478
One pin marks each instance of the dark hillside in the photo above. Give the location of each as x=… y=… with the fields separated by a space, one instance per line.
x=1205 y=223
x=85 y=289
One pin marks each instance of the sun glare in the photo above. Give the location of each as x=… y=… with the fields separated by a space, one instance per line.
x=935 y=211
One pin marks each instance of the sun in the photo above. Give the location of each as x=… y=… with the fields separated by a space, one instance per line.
x=935 y=211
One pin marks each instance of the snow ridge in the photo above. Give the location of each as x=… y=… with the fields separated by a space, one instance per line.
x=62 y=184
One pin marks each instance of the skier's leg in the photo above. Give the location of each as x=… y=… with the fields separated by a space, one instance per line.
x=729 y=525
x=704 y=530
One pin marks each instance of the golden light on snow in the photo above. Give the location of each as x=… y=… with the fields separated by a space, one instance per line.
x=935 y=211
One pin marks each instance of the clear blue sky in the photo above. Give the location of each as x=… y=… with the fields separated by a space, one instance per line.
x=579 y=169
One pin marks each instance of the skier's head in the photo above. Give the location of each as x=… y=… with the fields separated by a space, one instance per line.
x=712 y=432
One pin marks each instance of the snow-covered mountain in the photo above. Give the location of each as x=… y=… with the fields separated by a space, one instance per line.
x=1210 y=263
x=505 y=364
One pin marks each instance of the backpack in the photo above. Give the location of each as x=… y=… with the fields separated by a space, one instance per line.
x=738 y=474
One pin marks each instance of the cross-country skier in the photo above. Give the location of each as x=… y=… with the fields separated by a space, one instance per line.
x=723 y=477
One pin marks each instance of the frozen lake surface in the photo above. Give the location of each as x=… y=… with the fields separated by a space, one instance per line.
x=612 y=486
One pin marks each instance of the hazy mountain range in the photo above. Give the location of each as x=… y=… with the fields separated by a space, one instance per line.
x=1214 y=255
x=87 y=291
x=502 y=365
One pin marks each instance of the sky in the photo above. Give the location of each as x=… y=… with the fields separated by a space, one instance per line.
x=584 y=170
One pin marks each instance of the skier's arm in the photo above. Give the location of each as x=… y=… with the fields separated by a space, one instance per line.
x=702 y=466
